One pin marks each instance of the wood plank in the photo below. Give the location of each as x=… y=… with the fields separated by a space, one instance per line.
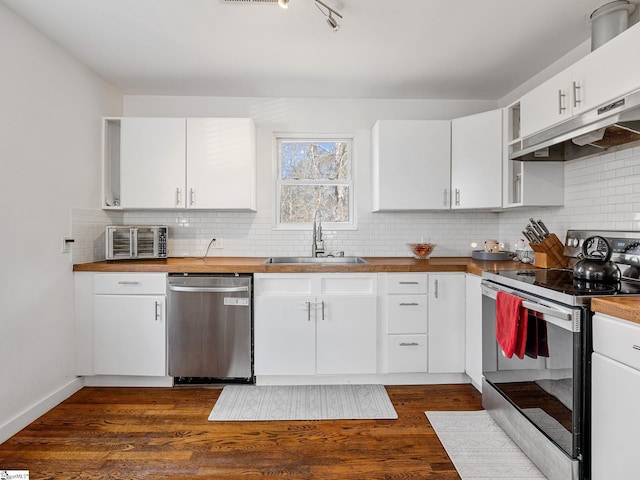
x=153 y=433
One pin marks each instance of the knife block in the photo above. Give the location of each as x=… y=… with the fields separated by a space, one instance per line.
x=549 y=253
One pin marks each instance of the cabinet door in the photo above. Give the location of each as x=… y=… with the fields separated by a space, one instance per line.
x=411 y=165
x=346 y=334
x=152 y=162
x=615 y=420
x=130 y=335
x=476 y=161
x=608 y=73
x=546 y=105
x=221 y=163
x=473 y=344
x=446 y=329
x=284 y=335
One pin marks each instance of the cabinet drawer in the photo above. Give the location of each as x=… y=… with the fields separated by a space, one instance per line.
x=407 y=284
x=407 y=314
x=406 y=353
x=617 y=339
x=130 y=283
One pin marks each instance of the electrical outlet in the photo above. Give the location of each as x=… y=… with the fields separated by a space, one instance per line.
x=67 y=242
x=217 y=243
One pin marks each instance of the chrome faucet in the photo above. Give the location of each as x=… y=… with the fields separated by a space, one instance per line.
x=317 y=245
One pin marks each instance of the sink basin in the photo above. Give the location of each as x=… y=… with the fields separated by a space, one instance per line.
x=316 y=260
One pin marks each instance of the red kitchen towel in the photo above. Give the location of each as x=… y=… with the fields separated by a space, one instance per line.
x=511 y=324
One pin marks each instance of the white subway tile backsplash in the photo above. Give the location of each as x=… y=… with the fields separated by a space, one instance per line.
x=600 y=193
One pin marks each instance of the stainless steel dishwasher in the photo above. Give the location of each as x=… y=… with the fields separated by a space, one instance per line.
x=210 y=328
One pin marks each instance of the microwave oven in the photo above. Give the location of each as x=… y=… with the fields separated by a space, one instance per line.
x=136 y=242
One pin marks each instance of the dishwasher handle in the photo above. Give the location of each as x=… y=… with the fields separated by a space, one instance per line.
x=178 y=288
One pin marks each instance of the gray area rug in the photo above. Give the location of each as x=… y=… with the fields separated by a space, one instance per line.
x=303 y=402
x=480 y=449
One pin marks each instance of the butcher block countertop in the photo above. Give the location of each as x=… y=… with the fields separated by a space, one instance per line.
x=627 y=308
x=257 y=265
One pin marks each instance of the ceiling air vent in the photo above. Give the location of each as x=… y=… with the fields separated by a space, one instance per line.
x=251 y=1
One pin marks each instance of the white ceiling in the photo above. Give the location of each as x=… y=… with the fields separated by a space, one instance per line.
x=456 y=49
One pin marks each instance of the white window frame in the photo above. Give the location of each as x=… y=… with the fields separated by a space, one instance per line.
x=284 y=136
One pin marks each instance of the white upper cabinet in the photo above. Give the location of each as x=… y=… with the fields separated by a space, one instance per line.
x=152 y=169
x=611 y=70
x=204 y=163
x=596 y=79
x=546 y=105
x=476 y=161
x=411 y=164
x=221 y=163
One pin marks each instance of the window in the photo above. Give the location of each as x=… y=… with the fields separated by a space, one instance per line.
x=315 y=175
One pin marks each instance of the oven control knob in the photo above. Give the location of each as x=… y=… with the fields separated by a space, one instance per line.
x=572 y=242
x=634 y=259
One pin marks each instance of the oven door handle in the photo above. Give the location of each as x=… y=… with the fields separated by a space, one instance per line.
x=567 y=320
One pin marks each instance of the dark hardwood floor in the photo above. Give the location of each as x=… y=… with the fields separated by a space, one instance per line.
x=163 y=433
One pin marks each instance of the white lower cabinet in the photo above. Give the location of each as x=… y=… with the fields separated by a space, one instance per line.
x=473 y=330
x=130 y=335
x=423 y=322
x=615 y=380
x=308 y=324
x=121 y=324
x=446 y=322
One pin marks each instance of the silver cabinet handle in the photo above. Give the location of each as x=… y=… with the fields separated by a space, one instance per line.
x=177 y=288
x=636 y=347
x=408 y=283
x=409 y=344
x=308 y=311
x=192 y=197
x=445 y=199
x=435 y=292
x=128 y=283
x=178 y=197
x=408 y=304
x=457 y=197
x=322 y=310
x=157 y=311
x=576 y=99
x=561 y=107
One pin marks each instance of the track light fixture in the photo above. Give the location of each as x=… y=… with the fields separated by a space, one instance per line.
x=283 y=4
x=331 y=21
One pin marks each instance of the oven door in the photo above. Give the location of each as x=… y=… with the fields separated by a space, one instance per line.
x=547 y=390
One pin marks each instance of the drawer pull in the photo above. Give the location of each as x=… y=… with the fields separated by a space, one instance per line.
x=412 y=304
x=409 y=344
x=408 y=283
x=128 y=283
x=636 y=347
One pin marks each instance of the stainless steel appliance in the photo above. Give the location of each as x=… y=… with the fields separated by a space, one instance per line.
x=610 y=126
x=543 y=399
x=136 y=242
x=210 y=328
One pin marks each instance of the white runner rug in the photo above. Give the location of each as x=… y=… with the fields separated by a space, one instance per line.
x=480 y=449
x=303 y=402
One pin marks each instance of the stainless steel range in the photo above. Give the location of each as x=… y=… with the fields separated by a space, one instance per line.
x=540 y=395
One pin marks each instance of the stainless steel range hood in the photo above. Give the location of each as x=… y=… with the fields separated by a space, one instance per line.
x=610 y=126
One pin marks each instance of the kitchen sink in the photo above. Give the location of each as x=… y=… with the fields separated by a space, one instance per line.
x=316 y=260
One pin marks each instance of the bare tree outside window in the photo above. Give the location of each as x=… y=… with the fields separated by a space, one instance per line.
x=315 y=176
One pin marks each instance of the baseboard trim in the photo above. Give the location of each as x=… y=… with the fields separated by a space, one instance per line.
x=383 y=379
x=38 y=409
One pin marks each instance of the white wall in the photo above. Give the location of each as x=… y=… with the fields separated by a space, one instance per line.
x=49 y=162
